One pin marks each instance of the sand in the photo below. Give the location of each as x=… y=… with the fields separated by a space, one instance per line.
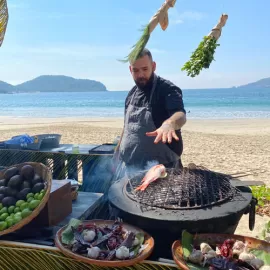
x=228 y=146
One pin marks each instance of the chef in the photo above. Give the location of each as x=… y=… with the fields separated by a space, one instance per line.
x=154 y=116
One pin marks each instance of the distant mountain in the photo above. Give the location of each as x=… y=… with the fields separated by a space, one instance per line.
x=5 y=87
x=55 y=83
x=263 y=83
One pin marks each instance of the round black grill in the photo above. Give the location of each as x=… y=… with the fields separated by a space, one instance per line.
x=185 y=189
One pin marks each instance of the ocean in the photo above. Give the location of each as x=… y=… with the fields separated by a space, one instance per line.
x=199 y=104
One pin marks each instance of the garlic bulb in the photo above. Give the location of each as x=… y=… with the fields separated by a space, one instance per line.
x=257 y=263
x=265 y=267
x=122 y=253
x=89 y=235
x=246 y=257
x=205 y=247
x=93 y=252
x=238 y=247
x=196 y=256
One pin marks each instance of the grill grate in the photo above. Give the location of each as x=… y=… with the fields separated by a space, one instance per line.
x=186 y=189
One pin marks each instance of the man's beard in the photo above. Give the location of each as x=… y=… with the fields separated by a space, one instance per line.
x=145 y=84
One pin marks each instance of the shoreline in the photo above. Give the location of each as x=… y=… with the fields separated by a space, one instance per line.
x=247 y=126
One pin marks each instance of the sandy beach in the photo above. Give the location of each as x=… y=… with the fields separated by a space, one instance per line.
x=228 y=146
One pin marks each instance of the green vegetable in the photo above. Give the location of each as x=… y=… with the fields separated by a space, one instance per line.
x=139 y=46
x=67 y=234
x=140 y=237
x=187 y=240
x=202 y=57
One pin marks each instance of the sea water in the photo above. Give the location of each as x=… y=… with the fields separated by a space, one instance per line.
x=199 y=104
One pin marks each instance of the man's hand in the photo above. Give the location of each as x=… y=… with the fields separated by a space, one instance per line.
x=165 y=133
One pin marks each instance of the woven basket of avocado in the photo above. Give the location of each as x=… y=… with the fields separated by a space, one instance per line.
x=24 y=191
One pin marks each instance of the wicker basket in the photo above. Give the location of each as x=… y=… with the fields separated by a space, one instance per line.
x=46 y=175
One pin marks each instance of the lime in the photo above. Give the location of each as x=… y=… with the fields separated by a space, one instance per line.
x=9 y=222
x=17 y=209
x=3 y=210
x=36 y=196
x=33 y=204
x=26 y=212
x=3 y=225
x=11 y=215
x=30 y=199
x=3 y=216
x=1 y=206
x=19 y=214
x=11 y=209
x=29 y=195
x=19 y=203
x=23 y=205
x=17 y=219
x=40 y=196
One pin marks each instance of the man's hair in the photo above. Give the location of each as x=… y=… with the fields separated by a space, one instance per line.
x=145 y=52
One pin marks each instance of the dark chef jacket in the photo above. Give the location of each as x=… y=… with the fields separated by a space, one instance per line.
x=166 y=101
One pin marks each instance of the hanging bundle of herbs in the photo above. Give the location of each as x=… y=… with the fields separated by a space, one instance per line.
x=203 y=56
x=3 y=19
x=161 y=18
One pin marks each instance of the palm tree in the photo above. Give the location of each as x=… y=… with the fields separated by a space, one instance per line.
x=3 y=19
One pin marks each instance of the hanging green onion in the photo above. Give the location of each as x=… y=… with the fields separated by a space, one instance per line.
x=203 y=56
x=161 y=17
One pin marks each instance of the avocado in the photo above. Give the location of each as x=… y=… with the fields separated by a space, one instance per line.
x=15 y=181
x=37 y=179
x=27 y=172
x=3 y=182
x=23 y=193
x=11 y=172
x=38 y=187
x=8 y=201
x=25 y=184
x=2 y=196
x=3 y=190
x=11 y=192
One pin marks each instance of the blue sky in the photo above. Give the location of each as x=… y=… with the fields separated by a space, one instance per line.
x=84 y=40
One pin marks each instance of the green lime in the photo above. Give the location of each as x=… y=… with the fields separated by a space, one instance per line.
x=17 y=209
x=30 y=199
x=17 y=219
x=36 y=196
x=19 y=203
x=11 y=209
x=3 y=210
x=1 y=206
x=9 y=222
x=42 y=191
x=19 y=214
x=3 y=225
x=11 y=215
x=3 y=216
x=26 y=212
x=40 y=196
x=24 y=205
x=29 y=195
x=33 y=204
